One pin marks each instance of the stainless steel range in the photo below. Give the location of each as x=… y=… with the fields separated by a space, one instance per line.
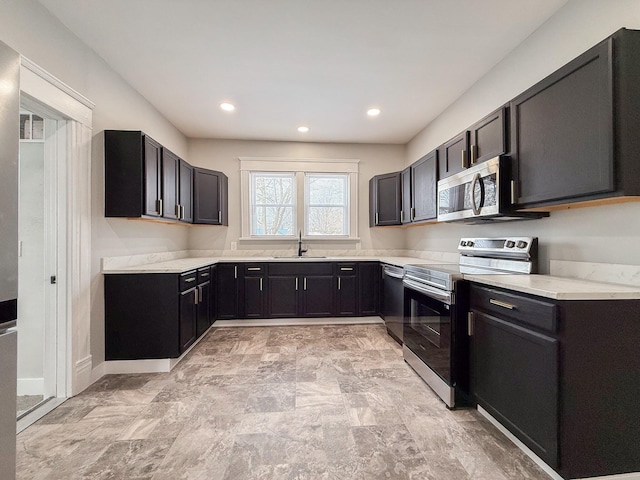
x=436 y=341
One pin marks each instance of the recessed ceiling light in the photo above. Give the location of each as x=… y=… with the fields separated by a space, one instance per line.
x=227 y=107
x=303 y=129
x=373 y=112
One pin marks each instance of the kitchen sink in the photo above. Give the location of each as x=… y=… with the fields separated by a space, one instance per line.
x=296 y=256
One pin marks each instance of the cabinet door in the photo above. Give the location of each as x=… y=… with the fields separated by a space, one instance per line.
x=488 y=137
x=209 y=197
x=185 y=192
x=170 y=163
x=563 y=131
x=188 y=312
x=369 y=288
x=347 y=295
x=204 y=308
x=424 y=185
x=254 y=297
x=283 y=296
x=152 y=177
x=388 y=199
x=227 y=297
x=406 y=210
x=454 y=155
x=317 y=296
x=515 y=378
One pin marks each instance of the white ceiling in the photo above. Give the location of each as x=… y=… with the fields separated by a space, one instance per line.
x=286 y=63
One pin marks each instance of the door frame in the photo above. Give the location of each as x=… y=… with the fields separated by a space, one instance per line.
x=74 y=359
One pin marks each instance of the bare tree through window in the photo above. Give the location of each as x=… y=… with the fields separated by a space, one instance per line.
x=273 y=203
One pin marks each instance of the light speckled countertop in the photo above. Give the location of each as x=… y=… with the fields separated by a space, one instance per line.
x=558 y=288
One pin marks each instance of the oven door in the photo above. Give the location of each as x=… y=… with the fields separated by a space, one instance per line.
x=427 y=327
x=471 y=193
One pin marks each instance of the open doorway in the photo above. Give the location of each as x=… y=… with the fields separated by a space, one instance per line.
x=42 y=148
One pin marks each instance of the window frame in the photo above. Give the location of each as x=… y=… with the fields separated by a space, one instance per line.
x=253 y=205
x=308 y=205
x=300 y=167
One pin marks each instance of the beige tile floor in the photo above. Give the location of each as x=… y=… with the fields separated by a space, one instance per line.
x=312 y=402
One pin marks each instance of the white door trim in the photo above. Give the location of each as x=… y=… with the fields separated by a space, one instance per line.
x=74 y=198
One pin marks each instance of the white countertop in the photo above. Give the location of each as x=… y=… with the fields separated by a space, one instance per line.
x=558 y=288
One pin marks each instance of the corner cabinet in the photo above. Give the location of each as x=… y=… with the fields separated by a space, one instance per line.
x=424 y=185
x=562 y=376
x=385 y=199
x=210 y=203
x=575 y=132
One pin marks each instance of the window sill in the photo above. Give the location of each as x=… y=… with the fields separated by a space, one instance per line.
x=295 y=239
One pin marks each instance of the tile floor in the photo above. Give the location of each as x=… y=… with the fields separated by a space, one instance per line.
x=312 y=403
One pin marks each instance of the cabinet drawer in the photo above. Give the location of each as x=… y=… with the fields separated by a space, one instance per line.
x=204 y=274
x=254 y=269
x=188 y=280
x=345 y=269
x=530 y=311
x=301 y=268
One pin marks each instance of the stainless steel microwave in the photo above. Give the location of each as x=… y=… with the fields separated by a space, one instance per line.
x=481 y=193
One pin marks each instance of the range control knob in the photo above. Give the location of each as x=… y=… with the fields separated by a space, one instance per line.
x=463 y=243
x=469 y=243
x=521 y=244
x=510 y=244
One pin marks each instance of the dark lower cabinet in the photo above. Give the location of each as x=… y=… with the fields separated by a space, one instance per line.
x=283 y=296
x=254 y=290
x=515 y=372
x=227 y=291
x=346 y=289
x=188 y=317
x=562 y=376
x=152 y=316
x=368 y=294
x=317 y=296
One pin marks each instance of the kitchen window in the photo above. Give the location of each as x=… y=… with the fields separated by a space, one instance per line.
x=281 y=197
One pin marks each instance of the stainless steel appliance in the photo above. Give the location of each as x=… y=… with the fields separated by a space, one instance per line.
x=436 y=341
x=9 y=135
x=392 y=300
x=482 y=193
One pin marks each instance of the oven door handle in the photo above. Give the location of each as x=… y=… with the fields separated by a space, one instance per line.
x=391 y=273
x=446 y=297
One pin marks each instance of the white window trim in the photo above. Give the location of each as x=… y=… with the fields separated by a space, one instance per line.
x=299 y=166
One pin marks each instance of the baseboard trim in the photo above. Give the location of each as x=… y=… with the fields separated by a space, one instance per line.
x=295 y=322
x=83 y=374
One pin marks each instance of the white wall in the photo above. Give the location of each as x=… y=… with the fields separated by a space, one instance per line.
x=28 y=28
x=223 y=155
x=579 y=234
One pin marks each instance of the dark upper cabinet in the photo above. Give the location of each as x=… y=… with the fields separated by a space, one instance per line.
x=185 y=192
x=369 y=276
x=406 y=208
x=227 y=290
x=484 y=140
x=424 y=184
x=454 y=155
x=210 y=202
x=385 y=199
x=170 y=175
x=133 y=174
x=575 y=133
x=488 y=137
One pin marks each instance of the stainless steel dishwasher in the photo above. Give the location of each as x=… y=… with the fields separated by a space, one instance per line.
x=393 y=300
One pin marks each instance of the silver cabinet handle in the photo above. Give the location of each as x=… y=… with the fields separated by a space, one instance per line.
x=160 y=207
x=177 y=210
x=339 y=283
x=189 y=280
x=377 y=218
x=181 y=212
x=219 y=216
x=401 y=216
x=474 y=154
x=514 y=192
x=506 y=305
x=413 y=213
x=470 y=324
x=260 y=283
x=464 y=159
x=254 y=269
x=296 y=284
x=346 y=269
x=305 y=283
x=235 y=272
x=204 y=274
x=195 y=299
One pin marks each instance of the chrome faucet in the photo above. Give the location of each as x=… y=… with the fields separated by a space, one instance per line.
x=300 y=249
